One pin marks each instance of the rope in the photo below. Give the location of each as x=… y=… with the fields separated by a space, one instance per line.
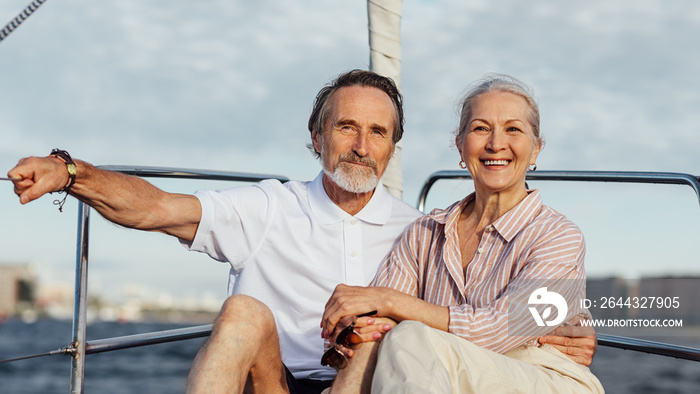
x=66 y=350
x=20 y=18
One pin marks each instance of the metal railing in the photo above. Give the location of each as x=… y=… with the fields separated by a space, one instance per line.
x=652 y=347
x=580 y=176
x=78 y=348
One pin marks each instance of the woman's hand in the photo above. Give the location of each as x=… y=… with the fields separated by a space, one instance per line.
x=577 y=342
x=369 y=328
x=373 y=328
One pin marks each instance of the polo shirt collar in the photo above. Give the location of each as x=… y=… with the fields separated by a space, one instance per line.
x=377 y=210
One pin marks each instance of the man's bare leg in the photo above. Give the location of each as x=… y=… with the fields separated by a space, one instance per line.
x=243 y=352
x=357 y=376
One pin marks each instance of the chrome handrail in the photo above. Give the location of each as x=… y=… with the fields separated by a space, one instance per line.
x=79 y=348
x=179 y=334
x=640 y=345
x=584 y=176
x=188 y=173
x=645 y=346
x=149 y=338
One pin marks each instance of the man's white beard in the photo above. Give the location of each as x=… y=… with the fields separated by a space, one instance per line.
x=353 y=178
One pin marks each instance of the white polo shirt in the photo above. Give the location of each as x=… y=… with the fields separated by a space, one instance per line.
x=289 y=245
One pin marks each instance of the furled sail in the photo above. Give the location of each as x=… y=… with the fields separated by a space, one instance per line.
x=385 y=58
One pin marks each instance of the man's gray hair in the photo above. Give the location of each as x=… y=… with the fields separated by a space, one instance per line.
x=321 y=110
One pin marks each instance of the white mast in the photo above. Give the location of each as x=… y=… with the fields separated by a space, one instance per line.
x=385 y=58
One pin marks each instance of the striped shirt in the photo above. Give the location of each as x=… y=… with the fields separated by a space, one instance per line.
x=529 y=247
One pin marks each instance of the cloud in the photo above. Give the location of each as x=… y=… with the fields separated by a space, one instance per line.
x=616 y=81
x=189 y=76
x=229 y=85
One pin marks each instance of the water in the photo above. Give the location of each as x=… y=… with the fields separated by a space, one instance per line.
x=163 y=368
x=153 y=369
x=624 y=371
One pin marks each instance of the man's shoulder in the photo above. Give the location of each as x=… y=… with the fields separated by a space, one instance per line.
x=262 y=193
x=276 y=183
x=403 y=211
x=275 y=186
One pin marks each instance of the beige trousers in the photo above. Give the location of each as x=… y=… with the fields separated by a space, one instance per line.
x=415 y=358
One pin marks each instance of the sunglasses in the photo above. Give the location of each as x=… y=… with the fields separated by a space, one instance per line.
x=348 y=338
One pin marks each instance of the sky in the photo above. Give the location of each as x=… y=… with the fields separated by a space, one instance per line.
x=228 y=85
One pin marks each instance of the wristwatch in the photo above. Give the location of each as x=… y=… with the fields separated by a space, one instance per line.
x=70 y=166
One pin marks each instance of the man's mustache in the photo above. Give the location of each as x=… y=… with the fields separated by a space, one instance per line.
x=354 y=157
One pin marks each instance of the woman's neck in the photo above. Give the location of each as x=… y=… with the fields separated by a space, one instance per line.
x=488 y=207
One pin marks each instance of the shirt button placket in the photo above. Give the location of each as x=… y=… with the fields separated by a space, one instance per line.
x=354 y=272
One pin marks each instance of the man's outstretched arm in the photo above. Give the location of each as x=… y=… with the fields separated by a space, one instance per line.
x=125 y=200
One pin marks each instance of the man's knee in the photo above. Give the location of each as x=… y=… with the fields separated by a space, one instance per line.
x=241 y=310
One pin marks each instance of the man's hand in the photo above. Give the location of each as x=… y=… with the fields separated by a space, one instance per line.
x=576 y=342
x=126 y=200
x=354 y=301
x=39 y=175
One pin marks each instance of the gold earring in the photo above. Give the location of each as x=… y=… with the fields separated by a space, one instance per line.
x=462 y=164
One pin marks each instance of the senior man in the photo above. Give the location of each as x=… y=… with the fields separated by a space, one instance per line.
x=288 y=244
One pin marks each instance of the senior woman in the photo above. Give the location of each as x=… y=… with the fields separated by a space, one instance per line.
x=459 y=280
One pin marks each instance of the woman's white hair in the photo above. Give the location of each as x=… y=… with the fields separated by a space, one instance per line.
x=497 y=83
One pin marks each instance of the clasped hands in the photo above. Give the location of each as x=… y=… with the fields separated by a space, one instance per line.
x=347 y=302
x=345 y=329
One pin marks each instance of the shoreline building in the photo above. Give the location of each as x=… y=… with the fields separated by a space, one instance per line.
x=18 y=287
